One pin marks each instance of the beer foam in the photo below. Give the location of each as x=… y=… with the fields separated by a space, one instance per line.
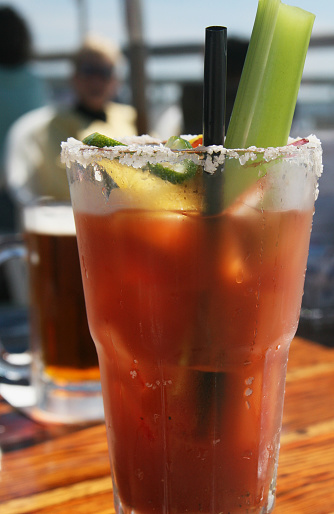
x=51 y=219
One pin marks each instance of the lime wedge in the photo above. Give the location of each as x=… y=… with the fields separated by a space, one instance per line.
x=178 y=143
x=147 y=189
x=175 y=173
x=100 y=140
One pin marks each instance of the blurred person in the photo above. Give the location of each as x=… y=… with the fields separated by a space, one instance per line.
x=21 y=90
x=33 y=159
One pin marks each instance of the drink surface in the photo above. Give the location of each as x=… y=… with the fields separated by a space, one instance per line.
x=192 y=317
x=59 y=321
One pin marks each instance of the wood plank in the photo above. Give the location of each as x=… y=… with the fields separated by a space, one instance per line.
x=306 y=476
x=305 y=353
x=62 y=496
x=62 y=462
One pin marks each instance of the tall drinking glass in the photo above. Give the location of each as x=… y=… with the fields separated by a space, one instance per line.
x=193 y=313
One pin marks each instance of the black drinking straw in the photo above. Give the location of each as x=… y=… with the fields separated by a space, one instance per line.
x=211 y=384
x=214 y=107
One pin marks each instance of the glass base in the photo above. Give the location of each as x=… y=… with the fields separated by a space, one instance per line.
x=266 y=509
x=74 y=403
x=54 y=408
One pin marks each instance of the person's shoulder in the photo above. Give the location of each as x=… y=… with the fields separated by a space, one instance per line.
x=121 y=119
x=33 y=120
x=26 y=132
x=114 y=108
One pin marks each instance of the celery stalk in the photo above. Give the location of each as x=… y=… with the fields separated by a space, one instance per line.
x=270 y=81
x=268 y=89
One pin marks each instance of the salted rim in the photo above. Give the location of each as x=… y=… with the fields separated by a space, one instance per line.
x=138 y=150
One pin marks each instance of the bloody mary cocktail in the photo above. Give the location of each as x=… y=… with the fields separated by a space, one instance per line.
x=192 y=315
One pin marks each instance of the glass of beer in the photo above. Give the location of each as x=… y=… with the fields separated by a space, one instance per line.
x=64 y=367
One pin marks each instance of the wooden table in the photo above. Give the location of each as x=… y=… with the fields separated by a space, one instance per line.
x=66 y=470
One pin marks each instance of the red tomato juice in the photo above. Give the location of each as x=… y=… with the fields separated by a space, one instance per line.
x=192 y=317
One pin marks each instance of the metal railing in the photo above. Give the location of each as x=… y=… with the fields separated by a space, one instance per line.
x=139 y=80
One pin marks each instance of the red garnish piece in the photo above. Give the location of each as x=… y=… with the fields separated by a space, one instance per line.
x=196 y=141
x=299 y=142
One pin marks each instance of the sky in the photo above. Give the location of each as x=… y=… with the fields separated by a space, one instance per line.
x=54 y=24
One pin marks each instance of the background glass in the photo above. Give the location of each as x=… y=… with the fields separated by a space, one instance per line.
x=65 y=377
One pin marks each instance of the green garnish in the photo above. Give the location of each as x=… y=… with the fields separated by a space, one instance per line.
x=100 y=140
x=175 y=173
x=178 y=143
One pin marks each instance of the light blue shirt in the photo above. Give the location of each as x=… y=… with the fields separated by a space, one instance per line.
x=21 y=90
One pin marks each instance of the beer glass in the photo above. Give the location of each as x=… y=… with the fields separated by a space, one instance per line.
x=65 y=378
x=193 y=268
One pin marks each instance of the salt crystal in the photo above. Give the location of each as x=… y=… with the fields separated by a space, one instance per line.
x=140 y=150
